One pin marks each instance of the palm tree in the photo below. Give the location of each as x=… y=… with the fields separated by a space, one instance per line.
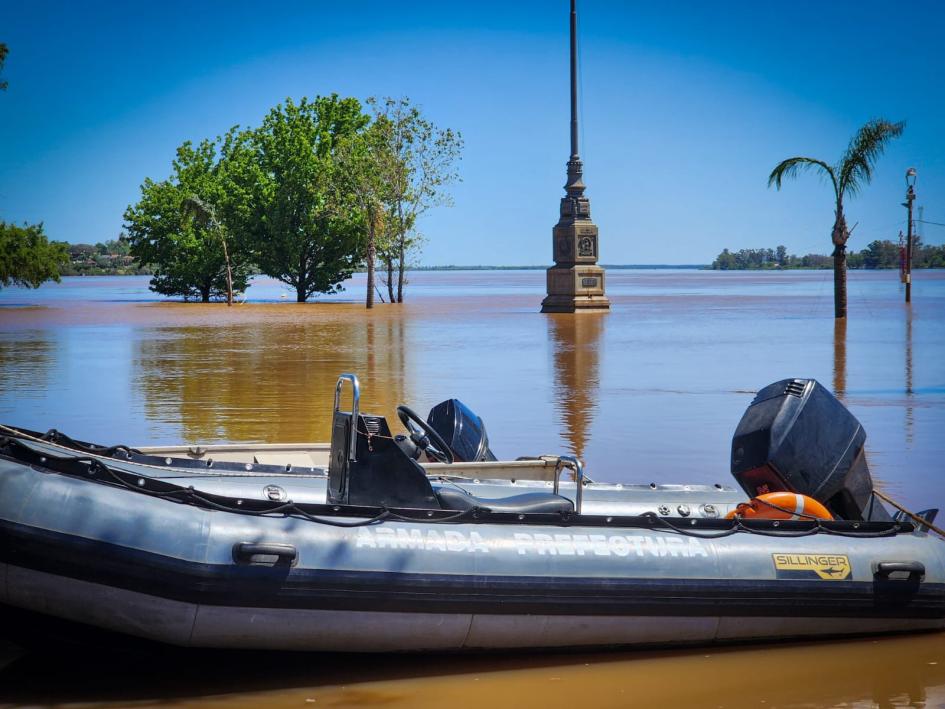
x=848 y=177
x=205 y=214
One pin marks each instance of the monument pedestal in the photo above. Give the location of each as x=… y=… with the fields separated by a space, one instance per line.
x=575 y=283
x=577 y=288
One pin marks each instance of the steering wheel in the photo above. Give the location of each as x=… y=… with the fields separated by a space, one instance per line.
x=423 y=435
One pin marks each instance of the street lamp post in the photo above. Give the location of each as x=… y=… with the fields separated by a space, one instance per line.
x=910 y=198
x=575 y=283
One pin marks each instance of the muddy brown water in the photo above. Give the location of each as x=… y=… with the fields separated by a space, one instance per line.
x=648 y=392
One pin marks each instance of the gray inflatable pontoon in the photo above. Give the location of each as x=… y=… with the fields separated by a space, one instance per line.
x=376 y=551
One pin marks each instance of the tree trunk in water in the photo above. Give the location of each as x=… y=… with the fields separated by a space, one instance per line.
x=840 y=282
x=400 y=270
x=302 y=281
x=840 y=357
x=371 y=256
x=229 y=275
x=401 y=248
x=205 y=293
x=389 y=261
x=839 y=237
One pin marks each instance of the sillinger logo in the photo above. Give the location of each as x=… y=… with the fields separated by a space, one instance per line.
x=829 y=567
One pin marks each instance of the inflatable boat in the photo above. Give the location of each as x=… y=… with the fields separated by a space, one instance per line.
x=424 y=541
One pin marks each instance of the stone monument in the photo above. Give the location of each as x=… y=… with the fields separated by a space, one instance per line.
x=575 y=283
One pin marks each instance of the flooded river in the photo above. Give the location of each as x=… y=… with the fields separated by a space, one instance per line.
x=650 y=392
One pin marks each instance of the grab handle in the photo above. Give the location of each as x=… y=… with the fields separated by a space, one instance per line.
x=355 y=404
x=915 y=569
x=571 y=461
x=265 y=554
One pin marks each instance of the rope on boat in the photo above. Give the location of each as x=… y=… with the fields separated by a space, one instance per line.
x=180 y=494
x=813 y=518
x=189 y=495
x=58 y=437
x=739 y=526
x=16 y=433
x=788 y=512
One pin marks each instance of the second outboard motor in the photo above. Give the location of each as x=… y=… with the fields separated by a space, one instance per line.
x=797 y=437
x=462 y=429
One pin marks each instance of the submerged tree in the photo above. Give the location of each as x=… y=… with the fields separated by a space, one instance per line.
x=302 y=223
x=419 y=162
x=28 y=258
x=365 y=165
x=848 y=177
x=187 y=254
x=205 y=213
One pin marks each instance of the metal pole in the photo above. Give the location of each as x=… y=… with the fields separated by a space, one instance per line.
x=910 y=198
x=574 y=96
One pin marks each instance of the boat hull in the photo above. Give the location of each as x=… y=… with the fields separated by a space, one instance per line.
x=301 y=629
x=111 y=557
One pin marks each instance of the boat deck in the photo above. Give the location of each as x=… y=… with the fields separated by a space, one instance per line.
x=315 y=455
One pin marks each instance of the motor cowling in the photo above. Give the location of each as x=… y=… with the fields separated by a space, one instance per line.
x=462 y=429
x=797 y=437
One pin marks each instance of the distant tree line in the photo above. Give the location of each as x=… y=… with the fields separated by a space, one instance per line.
x=878 y=254
x=108 y=258
x=319 y=189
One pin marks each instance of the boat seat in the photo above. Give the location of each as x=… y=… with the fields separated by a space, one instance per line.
x=453 y=498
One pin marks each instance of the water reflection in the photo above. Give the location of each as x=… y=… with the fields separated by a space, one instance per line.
x=575 y=341
x=840 y=357
x=872 y=672
x=25 y=361
x=270 y=382
x=910 y=394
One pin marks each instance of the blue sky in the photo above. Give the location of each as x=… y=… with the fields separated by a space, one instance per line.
x=686 y=107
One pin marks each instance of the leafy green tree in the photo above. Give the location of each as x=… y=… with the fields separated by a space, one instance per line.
x=118 y=246
x=928 y=256
x=303 y=223
x=28 y=258
x=187 y=254
x=725 y=261
x=880 y=254
x=205 y=214
x=365 y=163
x=848 y=177
x=422 y=162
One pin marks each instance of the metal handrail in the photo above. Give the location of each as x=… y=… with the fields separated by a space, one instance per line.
x=355 y=406
x=571 y=461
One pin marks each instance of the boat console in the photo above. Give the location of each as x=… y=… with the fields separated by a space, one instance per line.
x=368 y=466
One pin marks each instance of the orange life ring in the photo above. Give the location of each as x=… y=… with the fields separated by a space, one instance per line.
x=781 y=505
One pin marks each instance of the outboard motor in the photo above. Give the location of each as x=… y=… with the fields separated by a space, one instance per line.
x=463 y=431
x=797 y=437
